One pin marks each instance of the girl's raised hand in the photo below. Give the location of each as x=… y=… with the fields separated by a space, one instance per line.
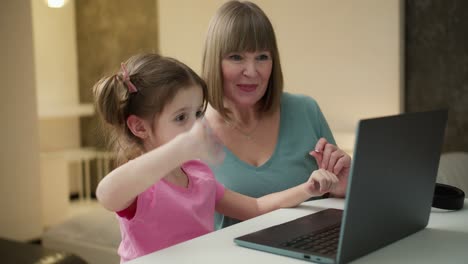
x=207 y=145
x=321 y=181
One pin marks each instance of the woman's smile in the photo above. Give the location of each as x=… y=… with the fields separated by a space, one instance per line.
x=248 y=88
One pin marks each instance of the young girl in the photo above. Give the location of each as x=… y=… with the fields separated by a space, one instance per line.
x=162 y=192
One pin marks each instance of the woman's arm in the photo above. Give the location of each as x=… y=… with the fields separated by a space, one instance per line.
x=326 y=153
x=335 y=160
x=243 y=207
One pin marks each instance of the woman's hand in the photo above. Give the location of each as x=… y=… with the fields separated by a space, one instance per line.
x=207 y=145
x=322 y=181
x=335 y=160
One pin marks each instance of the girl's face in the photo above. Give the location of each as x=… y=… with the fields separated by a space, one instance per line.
x=246 y=76
x=177 y=117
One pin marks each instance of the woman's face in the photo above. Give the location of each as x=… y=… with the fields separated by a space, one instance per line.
x=246 y=76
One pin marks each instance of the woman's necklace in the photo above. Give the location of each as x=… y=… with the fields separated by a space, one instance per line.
x=248 y=135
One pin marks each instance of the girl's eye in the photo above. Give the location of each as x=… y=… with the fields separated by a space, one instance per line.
x=263 y=57
x=235 y=57
x=199 y=114
x=181 y=118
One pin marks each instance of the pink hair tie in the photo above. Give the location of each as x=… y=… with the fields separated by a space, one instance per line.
x=126 y=79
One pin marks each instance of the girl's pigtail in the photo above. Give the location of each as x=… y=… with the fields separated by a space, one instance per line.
x=111 y=102
x=110 y=99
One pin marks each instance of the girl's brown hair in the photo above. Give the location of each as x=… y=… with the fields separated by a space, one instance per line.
x=157 y=80
x=239 y=27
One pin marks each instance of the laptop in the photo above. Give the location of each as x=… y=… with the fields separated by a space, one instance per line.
x=389 y=194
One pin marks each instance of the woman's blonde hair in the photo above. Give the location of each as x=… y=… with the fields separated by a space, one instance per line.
x=157 y=80
x=239 y=27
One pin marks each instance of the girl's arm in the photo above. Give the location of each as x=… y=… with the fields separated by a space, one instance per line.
x=243 y=207
x=121 y=186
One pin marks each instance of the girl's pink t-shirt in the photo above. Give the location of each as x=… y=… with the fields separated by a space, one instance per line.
x=167 y=214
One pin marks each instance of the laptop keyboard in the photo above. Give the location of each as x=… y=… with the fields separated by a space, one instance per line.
x=324 y=241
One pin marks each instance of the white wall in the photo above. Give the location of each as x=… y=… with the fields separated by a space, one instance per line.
x=56 y=65
x=20 y=199
x=345 y=54
x=55 y=55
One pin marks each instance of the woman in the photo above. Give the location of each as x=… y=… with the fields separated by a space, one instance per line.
x=270 y=136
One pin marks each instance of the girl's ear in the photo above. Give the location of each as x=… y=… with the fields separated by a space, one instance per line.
x=138 y=126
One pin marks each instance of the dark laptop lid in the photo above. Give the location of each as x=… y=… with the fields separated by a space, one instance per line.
x=392 y=180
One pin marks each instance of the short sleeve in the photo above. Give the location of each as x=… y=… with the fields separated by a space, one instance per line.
x=129 y=212
x=324 y=127
x=316 y=116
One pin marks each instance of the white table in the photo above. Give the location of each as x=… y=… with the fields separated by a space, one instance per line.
x=445 y=240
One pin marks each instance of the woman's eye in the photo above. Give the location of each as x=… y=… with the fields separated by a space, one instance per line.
x=199 y=114
x=181 y=117
x=235 y=57
x=263 y=57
